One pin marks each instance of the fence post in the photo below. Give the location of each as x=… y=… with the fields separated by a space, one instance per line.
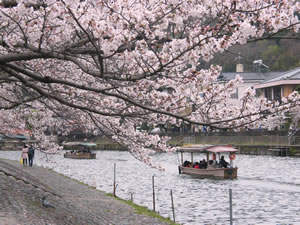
x=153 y=191
x=131 y=197
x=114 y=185
x=230 y=205
x=173 y=210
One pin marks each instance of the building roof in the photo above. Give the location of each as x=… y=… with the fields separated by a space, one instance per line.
x=289 y=77
x=247 y=76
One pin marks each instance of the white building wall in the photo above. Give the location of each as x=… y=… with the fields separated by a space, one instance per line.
x=241 y=90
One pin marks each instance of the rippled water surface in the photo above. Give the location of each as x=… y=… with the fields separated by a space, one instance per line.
x=267 y=190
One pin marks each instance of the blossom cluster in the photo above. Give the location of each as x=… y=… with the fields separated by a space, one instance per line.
x=108 y=66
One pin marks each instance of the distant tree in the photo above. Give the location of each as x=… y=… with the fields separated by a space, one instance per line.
x=101 y=65
x=279 y=59
x=280 y=54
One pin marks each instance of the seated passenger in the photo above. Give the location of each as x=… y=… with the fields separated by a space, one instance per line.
x=203 y=164
x=216 y=164
x=211 y=164
x=196 y=165
x=200 y=164
x=186 y=164
x=223 y=163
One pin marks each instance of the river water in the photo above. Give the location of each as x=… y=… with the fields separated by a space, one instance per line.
x=267 y=190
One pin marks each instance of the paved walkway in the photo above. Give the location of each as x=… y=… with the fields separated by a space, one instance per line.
x=21 y=189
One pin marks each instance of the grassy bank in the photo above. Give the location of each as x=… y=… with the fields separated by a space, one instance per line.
x=144 y=210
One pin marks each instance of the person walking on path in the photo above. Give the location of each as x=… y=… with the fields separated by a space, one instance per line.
x=30 y=155
x=25 y=155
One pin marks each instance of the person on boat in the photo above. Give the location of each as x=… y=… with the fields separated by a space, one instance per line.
x=203 y=164
x=223 y=163
x=211 y=164
x=217 y=164
x=196 y=165
x=186 y=164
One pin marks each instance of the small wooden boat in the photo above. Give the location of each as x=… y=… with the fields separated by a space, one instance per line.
x=215 y=162
x=82 y=152
x=80 y=155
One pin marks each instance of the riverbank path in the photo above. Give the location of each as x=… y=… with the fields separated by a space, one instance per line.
x=22 y=188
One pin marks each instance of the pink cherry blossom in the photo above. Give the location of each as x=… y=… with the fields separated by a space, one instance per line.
x=109 y=66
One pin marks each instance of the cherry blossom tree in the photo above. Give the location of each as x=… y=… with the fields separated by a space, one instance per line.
x=110 y=65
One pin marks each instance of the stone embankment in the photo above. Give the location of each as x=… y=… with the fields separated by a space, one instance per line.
x=22 y=188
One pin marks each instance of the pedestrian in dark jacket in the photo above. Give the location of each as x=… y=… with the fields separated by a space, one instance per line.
x=30 y=155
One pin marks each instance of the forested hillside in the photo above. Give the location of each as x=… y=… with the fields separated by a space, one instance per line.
x=277 y=54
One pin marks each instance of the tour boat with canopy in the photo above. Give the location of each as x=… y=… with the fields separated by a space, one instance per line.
x=214 y=161
x=83 y=151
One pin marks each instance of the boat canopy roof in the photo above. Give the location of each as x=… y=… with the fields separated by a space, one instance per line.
x=208 y=148
x=88 y=144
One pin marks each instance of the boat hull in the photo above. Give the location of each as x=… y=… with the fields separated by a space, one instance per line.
x=226 y=173
x=80 y=156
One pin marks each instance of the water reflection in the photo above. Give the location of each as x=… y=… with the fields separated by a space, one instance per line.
x=266 y=191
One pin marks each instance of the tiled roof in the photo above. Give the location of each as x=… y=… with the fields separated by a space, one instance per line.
x=247 y=76
x=284 y=78
x=289 y=75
